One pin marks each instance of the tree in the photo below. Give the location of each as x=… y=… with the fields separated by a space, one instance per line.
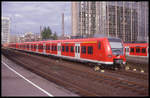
x=46 y=33
x=55 y=36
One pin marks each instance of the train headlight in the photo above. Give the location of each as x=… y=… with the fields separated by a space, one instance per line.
x=109 y=56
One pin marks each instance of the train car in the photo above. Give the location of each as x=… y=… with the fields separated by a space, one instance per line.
x=103 y=51
x=137 y=49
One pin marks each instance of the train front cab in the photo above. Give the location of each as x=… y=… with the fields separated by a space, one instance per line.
x=117 y=51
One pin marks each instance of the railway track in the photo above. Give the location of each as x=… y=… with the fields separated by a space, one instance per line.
x=130 y=73
x=83 y=81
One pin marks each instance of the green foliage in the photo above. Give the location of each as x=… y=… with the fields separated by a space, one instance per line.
x=55 y=36
x=47 y=34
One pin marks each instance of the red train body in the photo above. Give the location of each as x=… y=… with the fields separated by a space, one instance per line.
x=108 y=51
x=137 y=49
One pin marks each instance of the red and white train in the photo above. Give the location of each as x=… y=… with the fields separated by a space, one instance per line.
x=104 y=51
x=137 y=49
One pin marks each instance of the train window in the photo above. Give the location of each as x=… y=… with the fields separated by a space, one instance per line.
x=83 y=49
x=143 y=50
x=67 y=48
x=71 y=49
x=137 y=50
x=43 y=47
x=34 y=46
x=28 y=46
x=99 y=45
x=90 y=50
x=40 y=46
x=78 y=49
x=132 y=50
x=63 y=48
x=31 y=46
x=55 y=49
x=47 y=47
x=52 y=48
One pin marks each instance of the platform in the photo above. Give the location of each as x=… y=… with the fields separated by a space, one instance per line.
x=18 y=81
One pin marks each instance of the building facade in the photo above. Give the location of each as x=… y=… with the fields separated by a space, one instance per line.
x=75 y=17
x=5 y=30
x=126 y=20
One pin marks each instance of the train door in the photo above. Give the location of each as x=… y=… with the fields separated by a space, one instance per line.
x=37 y=47
x=147 y=51
x=127 y=51
x=29 y=47
x=77 y=50
x=59 y=49
x=44 y=48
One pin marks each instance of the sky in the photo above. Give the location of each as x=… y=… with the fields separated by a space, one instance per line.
x=29 y=16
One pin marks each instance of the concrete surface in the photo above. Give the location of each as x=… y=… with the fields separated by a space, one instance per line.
x=15 y=85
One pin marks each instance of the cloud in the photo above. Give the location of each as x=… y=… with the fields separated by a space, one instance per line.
x=30 y=15
x=18 y=15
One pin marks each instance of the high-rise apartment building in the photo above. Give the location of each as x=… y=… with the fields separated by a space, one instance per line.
x=75 y=17
x=126 y=20
x=5 y=29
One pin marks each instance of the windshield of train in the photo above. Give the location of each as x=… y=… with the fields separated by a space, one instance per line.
x=116 y=46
